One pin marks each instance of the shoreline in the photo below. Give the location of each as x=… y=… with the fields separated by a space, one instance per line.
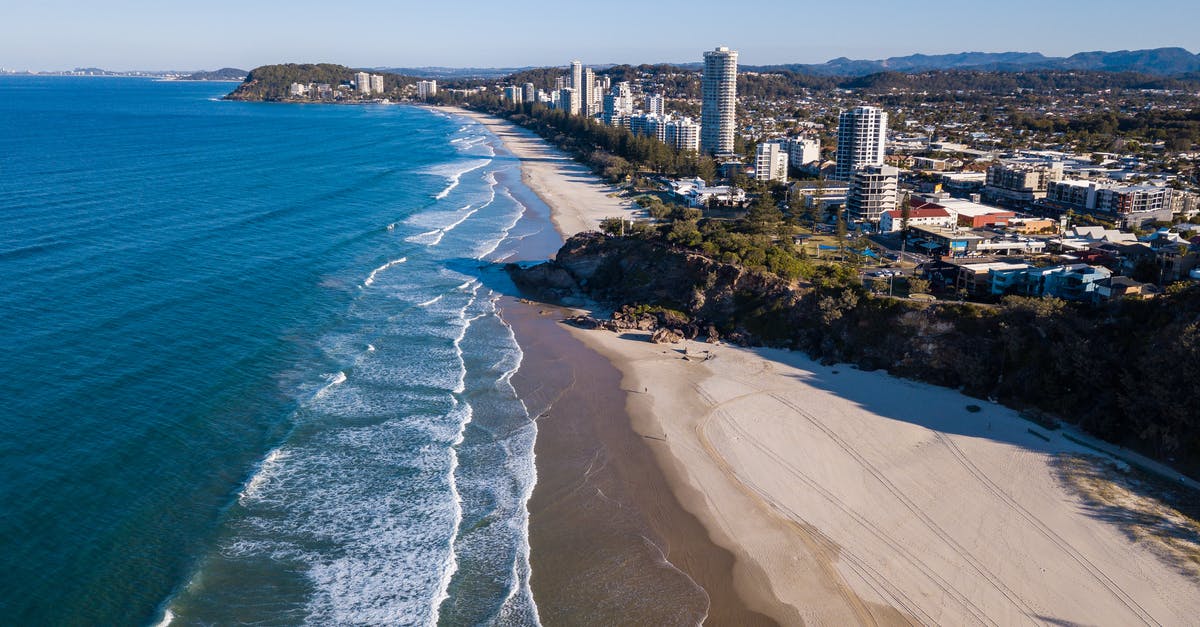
x=844 y=496
x=577 y=198
x=645 y=555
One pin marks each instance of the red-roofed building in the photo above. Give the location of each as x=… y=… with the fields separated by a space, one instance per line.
x=921 y=213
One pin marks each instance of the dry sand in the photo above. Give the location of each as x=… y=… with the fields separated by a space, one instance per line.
x=849 y=490
x=843 y=497
x=579 y=200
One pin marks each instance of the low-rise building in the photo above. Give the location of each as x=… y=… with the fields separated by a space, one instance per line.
x=826 y=193
x=698 y=194
x=920 y=213
x=1076 y=282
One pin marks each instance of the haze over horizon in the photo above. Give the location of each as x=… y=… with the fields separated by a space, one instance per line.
x=138 y=35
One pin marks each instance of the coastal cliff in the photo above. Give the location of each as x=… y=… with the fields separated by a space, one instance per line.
x=1125 y=371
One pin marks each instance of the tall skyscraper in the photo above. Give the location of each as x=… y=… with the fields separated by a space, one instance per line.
x=362 y=82
x=377 y=83
x=576 y=75
x=529 y=93
x=718 y=106
x=426 y=89
x=862 y=133
x=589 y=95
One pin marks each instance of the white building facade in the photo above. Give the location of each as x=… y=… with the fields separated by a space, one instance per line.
x=718 y=106
x=862 y=138
x=771 y=162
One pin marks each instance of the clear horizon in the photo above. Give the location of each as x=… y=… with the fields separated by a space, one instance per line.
x=128 y=35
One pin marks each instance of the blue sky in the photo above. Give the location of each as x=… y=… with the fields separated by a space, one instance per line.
x=170 y=34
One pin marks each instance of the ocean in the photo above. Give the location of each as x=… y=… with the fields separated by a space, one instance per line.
x=253 y=368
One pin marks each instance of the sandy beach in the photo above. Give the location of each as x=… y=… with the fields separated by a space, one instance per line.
x=578 y=199
x=792 y=492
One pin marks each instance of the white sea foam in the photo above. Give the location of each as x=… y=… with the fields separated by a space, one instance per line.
x=168 y=616
x=262 y=474
x=488 y=247
x=334 y=380
x=454 y=173
x=371 y=277
x=431 y=301
x=434 y=237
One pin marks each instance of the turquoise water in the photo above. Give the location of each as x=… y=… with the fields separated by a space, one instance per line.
x=253 y=369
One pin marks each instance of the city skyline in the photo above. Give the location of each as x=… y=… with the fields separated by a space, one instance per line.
x=131 y=35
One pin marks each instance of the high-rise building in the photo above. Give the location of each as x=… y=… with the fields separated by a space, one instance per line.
x=362 y=82
x=576 y=75
x=771 y=162
x=514 y=94
x=426 y=89
x=589 y=95
x=803 y=150
x=718 y=105
x=529 y=93
x=655 y=104
x=568 y=100
x=683 y=134
x=618 y=104
x=862 y=134
x=872 y=191
x=376 y=84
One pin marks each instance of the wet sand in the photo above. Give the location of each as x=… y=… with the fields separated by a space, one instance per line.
x=610 y=542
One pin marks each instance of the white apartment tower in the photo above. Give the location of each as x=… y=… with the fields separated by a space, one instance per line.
x=514 y=94
x=529 y=93
x=426 y=89
x=589 y=95
x=862 y=134
x=718 y=105
x=576 y=75
x=655 y=104
x=771 y=162
x=376 y=83
x=803 y=150
x=683 y=134
x=568 y=100
x=362 y=82
x=872 y=191
x=618 y=104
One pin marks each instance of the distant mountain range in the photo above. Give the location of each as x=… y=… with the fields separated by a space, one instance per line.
x=1159 y=61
